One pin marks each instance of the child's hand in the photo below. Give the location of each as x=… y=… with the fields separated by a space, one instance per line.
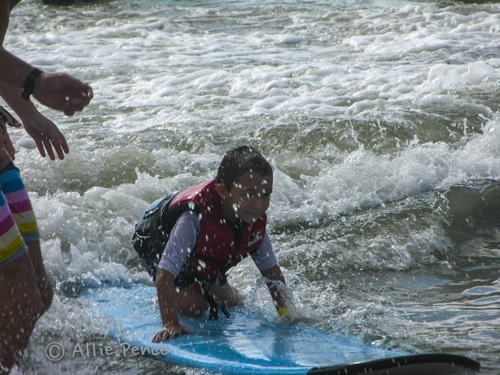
x=284 y=313
x=170 y=331
x=295 y=317
x=288 y=317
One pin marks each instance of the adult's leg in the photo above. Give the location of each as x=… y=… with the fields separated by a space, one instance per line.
x=21 y=306
x=22 y=276
x=42 y=280
x=20 y=300
x=22 y=211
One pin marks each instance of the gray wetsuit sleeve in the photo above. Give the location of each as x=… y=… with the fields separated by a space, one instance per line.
x=264 y=257
x=181 y=242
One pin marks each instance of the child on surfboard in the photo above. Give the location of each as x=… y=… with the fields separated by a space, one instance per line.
x=188 y=241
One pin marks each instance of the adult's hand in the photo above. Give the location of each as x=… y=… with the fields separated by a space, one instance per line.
x=47 y=136
x=7 y=150
x=62 y=92
x=6 y=147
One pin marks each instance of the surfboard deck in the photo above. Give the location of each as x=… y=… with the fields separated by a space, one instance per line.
x=248 y=344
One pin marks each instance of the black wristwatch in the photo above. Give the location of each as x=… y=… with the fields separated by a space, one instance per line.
x=29 y=84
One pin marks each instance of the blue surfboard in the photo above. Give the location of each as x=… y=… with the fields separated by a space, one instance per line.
x=247 y=344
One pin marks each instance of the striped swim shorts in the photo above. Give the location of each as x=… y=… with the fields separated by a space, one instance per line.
x=18 y=224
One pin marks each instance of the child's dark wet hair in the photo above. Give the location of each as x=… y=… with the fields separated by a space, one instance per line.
x=240 y=160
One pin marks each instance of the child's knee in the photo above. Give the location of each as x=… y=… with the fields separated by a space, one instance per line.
x=228 y=295
x=192 y=302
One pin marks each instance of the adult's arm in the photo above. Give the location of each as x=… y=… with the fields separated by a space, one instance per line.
x=5 y=8
x=47 y=136
x=58 y=91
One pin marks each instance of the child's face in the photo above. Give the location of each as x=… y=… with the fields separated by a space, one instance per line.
x=248 y=199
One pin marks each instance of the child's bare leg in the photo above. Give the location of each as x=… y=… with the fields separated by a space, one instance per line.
x=228 y=295
x=191 y=301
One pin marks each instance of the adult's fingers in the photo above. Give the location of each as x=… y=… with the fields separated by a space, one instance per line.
x=75 y=104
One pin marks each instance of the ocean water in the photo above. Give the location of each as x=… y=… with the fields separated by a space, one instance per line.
x=380 y=117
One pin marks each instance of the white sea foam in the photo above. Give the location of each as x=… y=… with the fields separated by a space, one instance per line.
x=363 y=107
x=189 y=82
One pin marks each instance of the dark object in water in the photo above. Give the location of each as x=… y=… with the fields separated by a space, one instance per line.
x=58 y=2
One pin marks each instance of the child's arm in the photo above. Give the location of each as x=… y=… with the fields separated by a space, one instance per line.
x=266 y=262
x=166 y=298
x=276 y=288
x=183 y=236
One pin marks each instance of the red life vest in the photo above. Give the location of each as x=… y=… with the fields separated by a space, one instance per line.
x=217 y=248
